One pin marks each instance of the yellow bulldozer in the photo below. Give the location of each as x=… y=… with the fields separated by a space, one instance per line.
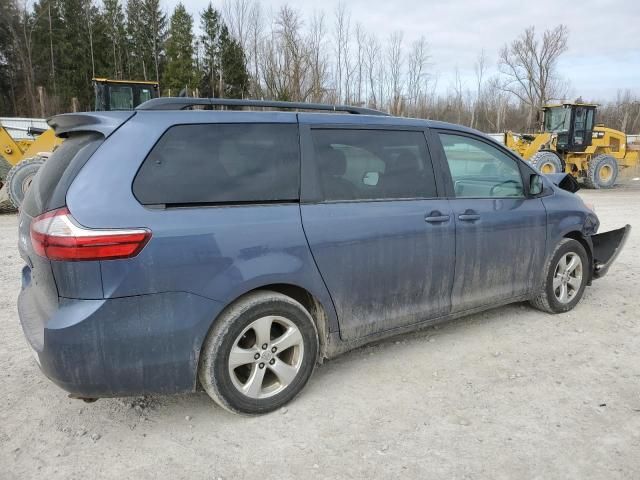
x=572 y=142
x=23 y=157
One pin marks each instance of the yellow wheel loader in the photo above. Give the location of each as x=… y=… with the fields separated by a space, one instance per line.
x=21 y=159
x=573 y=143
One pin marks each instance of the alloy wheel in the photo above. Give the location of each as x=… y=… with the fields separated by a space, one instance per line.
x=567 y=278
x=266 y=357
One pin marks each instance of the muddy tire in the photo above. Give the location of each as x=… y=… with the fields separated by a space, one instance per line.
x=259 y=354
x=20 y=177
x=547 y=162
x=4 y=169
x=602 y=172
x=567 y=273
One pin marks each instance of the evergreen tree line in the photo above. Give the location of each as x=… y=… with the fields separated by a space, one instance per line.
x=49 y=53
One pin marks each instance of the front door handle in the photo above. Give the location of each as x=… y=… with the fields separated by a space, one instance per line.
x=436 y=217
x=469 y=216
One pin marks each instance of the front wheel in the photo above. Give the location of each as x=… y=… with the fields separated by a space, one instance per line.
x=566 y=276
x=547 y=162
x=259 y=354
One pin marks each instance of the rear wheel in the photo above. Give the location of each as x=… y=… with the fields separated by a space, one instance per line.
x=20 y=177
x=547 y=162
x=602 y=172
x=259 y=354
x=566 y=276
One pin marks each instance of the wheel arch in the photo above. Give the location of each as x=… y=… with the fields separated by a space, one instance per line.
x=311 y=303
x=323 y=317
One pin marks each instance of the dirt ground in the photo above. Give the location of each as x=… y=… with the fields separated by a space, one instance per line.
x=510 y=393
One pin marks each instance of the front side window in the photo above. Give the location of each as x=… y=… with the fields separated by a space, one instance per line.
x=145 y=94
x=479 y=170
x=221 y=163
x=372 y=164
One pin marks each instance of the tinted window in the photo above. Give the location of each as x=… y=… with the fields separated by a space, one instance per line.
x=48 y=190
x=480 y=170
x=372 y=164
x=215 y=163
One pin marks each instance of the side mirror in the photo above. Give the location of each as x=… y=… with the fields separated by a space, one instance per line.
x=535 y=184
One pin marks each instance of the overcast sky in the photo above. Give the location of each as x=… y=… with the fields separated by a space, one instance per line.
x=604 y=35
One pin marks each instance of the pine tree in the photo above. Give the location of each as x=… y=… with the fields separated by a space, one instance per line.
x=76 y=40
x=47 y=37
x=115 y=32
x=179 y=71
x=155 y=35
x=136 y=65
x=224 y=72
x=210 y=40
x=9 y=69
x=234 y=67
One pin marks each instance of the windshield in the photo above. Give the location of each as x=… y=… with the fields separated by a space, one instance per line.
x=557 y=119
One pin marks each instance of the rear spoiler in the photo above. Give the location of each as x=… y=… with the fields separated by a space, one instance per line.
x=101 y=122
x=564 y=181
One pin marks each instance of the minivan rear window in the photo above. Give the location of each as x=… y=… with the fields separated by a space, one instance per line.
x=49 y=188
x=221 y=164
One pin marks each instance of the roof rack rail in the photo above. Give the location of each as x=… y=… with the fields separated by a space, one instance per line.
x=180 y=103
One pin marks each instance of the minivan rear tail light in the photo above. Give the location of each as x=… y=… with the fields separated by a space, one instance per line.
x=57 y=236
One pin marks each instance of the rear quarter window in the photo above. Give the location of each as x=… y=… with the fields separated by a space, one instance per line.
x=221 y=164
x=49 y=188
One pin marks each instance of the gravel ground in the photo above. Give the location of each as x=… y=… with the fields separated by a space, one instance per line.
x=510 y=393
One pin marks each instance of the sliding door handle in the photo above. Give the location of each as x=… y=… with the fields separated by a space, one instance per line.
x=436 y=217
x=468 y=217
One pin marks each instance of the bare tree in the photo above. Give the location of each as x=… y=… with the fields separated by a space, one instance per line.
x=255 y=38
x=318 y=62
x=458 y=99
x=372 y=52
x=528 y=66
x=237 y=14
x=417 y=65
x=479 y=69
x=286 y=60
x=395 y=60
x=343 y=65
x=360 y=48
x=496 y=106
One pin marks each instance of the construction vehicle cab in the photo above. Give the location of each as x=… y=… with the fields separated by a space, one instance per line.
x=572 y=123
x=112 y=95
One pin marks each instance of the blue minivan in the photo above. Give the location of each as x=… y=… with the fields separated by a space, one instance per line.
x=193 y=243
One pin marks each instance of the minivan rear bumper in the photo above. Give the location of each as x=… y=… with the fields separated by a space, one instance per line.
x=123 y=346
